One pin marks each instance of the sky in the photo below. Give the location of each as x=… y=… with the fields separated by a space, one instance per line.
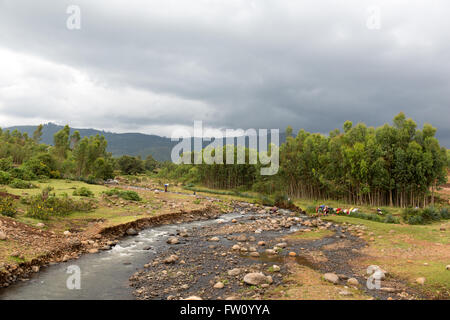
x=153 y=66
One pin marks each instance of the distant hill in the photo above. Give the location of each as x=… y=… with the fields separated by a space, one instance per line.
x=119 y=144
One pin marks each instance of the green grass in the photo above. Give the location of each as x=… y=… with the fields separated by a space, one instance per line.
x=429 y=232
x=60 y=187
x=338 y=204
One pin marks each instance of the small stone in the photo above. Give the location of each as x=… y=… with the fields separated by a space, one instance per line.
x=235 y=247
x=173 y=240
x=40 y=225
x=132 y=232
x=345 y=293
x=270 y=252
x=67 y=233
x=353 y=282
x=171 y=259
x=35 y=269
x=193 y=298
x=254 y=254
x=261 y=243
x=331 y=277
x=447 y=267
x=214 y=239
x=256 y=279
x=219 y=285
x=2 y=235
x=275 y=268
x=292 y=254
x=234 y=272
x=93 y=250
x=420 y=280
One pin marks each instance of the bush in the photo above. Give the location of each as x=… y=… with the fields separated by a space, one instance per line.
x=37 y=167
x=445 y=213
x=124 y=194
x=391 y=219
x=6 y=164
x=266 y=201
x=22 y=174
x=43 y=208
x=430 y=214
x=8 y=207
x=83 y=192
x=5 y=178
x=423 y=216
x=373 y=217
x=282 y=200
x=417 y=219
x=20 y=184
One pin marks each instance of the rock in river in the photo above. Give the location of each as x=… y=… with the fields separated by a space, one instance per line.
x=234 y=272
x=171 y=259
x=256 y=279
x=173 y=240
x=132 y=232
x=219 y=285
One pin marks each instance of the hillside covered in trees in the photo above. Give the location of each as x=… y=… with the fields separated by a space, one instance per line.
x=119 y=144
x=24 y=158
x=395 y=164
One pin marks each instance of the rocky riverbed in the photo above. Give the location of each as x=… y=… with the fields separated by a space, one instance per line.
x=251 y=255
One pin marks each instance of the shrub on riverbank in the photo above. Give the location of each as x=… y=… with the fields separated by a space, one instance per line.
x=8 y=207
x=43 y=208
x=83 y=192
x=124 y=194
x=424 y=216
x=21 y=184
x=372 y=217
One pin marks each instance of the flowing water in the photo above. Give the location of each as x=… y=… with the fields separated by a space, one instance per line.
x=104 y=275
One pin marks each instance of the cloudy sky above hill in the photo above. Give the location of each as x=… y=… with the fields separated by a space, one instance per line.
x=155 y=65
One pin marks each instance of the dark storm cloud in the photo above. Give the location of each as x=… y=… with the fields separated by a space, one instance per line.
x=154 y=65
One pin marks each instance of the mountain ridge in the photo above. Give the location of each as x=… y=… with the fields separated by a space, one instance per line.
x=130 y=143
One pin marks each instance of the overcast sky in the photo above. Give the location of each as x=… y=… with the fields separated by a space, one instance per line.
x=153 y=66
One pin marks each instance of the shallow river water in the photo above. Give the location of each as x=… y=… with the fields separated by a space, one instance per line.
x=104 y=275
